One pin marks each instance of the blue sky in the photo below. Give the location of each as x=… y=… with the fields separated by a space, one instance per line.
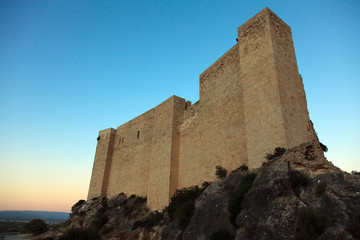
x=71 y=68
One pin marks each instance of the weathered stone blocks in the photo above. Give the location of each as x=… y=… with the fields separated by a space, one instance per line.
x=252 y=100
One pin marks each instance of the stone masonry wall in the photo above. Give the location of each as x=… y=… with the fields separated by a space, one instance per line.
x=102 y=162
x=252 y=100
x=213 y=135
x=163 y=156
x=129 y=171
x=262 y=109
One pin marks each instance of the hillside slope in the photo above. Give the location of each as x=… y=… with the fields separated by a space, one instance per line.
x=298 y=195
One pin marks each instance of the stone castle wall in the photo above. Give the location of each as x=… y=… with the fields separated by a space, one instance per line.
x=252 y=100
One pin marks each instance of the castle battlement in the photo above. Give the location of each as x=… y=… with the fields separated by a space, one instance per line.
x=251 y=100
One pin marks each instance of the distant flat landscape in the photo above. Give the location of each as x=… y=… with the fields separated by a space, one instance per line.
x=29 y=215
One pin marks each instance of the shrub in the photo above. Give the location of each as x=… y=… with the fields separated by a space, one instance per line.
x=100 y=218
x=81 y=234
x=153 y=219
x=235 y=204
x=320 y=188
x=310 y=223
x=79 y=203
x=279 y=151
x=323 y=147
x=132 y=196
x=137 y=224
x=182 y=204
x=36 y=226
x=220 y=172
x=243 y=167
x=298 y=179
x=221 y=234
x=205 y=184
x=355 y=172
x=184 y=212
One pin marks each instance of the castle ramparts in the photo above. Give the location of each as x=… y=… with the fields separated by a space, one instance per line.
x=252 y=100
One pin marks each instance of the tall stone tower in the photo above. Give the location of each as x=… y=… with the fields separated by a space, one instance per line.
x=252 y=100
x=275 y=109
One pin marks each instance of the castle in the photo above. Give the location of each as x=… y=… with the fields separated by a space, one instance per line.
x=252 y=100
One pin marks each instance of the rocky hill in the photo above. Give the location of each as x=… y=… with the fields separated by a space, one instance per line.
x=296 y=194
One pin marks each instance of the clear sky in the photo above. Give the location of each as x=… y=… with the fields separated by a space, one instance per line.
x=71 y=68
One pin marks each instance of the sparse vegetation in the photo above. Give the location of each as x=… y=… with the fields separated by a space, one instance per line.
x=355 y=172
x=100 y=218
x=220 y=172
x=323 y=147
x=76 y=205
x=182 y=204
x=132 y=196
x=298 y=179
x=36 y=227
x=310 y=223
x=137 y=224
x=81 y=234
x=235 y=204
x=243 y=167
x=279 y=151
x=221 y=234
x=11 y=226
x=153 y=219
x=205 y=184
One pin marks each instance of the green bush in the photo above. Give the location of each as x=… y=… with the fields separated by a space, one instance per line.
x=132 y=196
x=36 y=226
x=79 y=203
x=323 y=147
x=100 y=218
x=184 y=212
x=153 y=219
x=243 y=167
x=235 y=204
x=137 y=224
x=182 y=204
x=310 y=223
x=279 y=151
x=81 y=234
x=221 y=234
x=298 y=179
x=220 y=172
x=205 y=184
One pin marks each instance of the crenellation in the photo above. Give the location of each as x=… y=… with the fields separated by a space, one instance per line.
x=252 y=100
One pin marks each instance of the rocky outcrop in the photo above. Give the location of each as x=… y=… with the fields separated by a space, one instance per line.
x=298 y=195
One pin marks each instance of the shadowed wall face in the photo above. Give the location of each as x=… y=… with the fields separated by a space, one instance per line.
x=102 y=162
x=252 y=100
